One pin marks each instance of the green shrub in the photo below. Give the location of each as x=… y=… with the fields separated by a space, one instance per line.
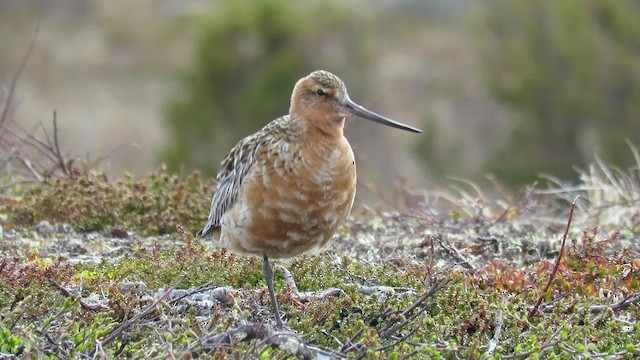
x=154 y=205
x=247 y=56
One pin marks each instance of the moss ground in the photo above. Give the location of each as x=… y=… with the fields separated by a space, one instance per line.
x=92 y=268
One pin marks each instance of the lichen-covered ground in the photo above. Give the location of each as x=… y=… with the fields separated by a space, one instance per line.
x=97 y=269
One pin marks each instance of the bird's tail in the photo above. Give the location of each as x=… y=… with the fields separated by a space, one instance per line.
x=206 y=230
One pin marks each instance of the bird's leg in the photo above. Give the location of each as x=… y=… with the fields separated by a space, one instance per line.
x=268 y=276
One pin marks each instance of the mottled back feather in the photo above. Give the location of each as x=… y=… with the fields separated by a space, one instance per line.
x=236 y=166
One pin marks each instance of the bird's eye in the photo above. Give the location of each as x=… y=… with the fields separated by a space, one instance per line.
x=321 y=92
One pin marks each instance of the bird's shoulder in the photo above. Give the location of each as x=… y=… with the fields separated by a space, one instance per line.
x=237 y=164
x=247 y=151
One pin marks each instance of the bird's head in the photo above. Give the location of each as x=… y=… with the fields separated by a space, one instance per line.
x=321 y=98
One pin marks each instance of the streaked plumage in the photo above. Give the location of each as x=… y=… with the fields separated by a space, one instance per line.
x=286 y=189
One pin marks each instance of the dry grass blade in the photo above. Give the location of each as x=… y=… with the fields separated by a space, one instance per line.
x=611 y=195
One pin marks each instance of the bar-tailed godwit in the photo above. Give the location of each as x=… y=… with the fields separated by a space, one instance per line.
x=288 y=188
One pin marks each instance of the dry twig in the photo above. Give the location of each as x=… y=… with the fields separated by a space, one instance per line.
x=557 y=264
x=84 y=305
x=493 y=343
x=127 y=324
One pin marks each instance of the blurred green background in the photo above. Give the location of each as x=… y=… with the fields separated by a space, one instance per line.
x=514 y=88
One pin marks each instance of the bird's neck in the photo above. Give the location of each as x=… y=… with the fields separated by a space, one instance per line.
x=331 y=128
x=317 y=122
x=325 y=127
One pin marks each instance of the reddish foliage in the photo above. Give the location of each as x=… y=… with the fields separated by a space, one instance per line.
x=589 y=268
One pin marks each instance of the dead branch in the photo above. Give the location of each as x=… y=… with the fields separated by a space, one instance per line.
x=451 y=249
x=39 y=158
x=622 y=305
x=362 y=289
x=84 y=305
x=396 y=322
x=320 y=294
x=632 y=299
x=54 y=148
x=409 y=314
x=381 y=289
x=27 y=164
x=288 y=279
x=20 y=145
x=215 y=292
x=127 y=324
x=398 y=340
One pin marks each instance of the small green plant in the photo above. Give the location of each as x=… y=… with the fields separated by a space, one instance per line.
x=9 y=343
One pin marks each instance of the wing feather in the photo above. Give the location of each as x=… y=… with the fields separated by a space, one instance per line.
x=234 y=169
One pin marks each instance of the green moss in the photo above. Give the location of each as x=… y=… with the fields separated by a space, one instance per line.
x=460 y=319
x=48 y=301
x=154 y=205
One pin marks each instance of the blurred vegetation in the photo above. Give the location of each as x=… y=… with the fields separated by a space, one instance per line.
x=247 y=57
x=571 y=69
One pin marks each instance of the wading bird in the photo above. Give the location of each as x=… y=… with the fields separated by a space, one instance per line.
x=288 y=188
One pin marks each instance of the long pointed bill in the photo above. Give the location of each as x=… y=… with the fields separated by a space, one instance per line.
x=360 y=111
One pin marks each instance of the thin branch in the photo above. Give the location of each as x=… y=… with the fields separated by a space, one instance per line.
x=451 y=249
x=381 y=289
x=56 y=150
x=432 y=290
x=27 y=164
x=394 y=324
x=319 y=294
x=402 y=338
x=493 y=343
x=557 y=264
x=84 y=305
x=14 y=80
x=288 y=279
x=622 y=305
x=125 y=325
x=202 y=288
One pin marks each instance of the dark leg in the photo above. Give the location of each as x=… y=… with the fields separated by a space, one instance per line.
x=268 y=276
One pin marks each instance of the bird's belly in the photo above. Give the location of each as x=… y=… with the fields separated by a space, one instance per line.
x=284 y=216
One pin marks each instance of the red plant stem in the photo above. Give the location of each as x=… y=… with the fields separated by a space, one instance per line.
x=557 y=264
